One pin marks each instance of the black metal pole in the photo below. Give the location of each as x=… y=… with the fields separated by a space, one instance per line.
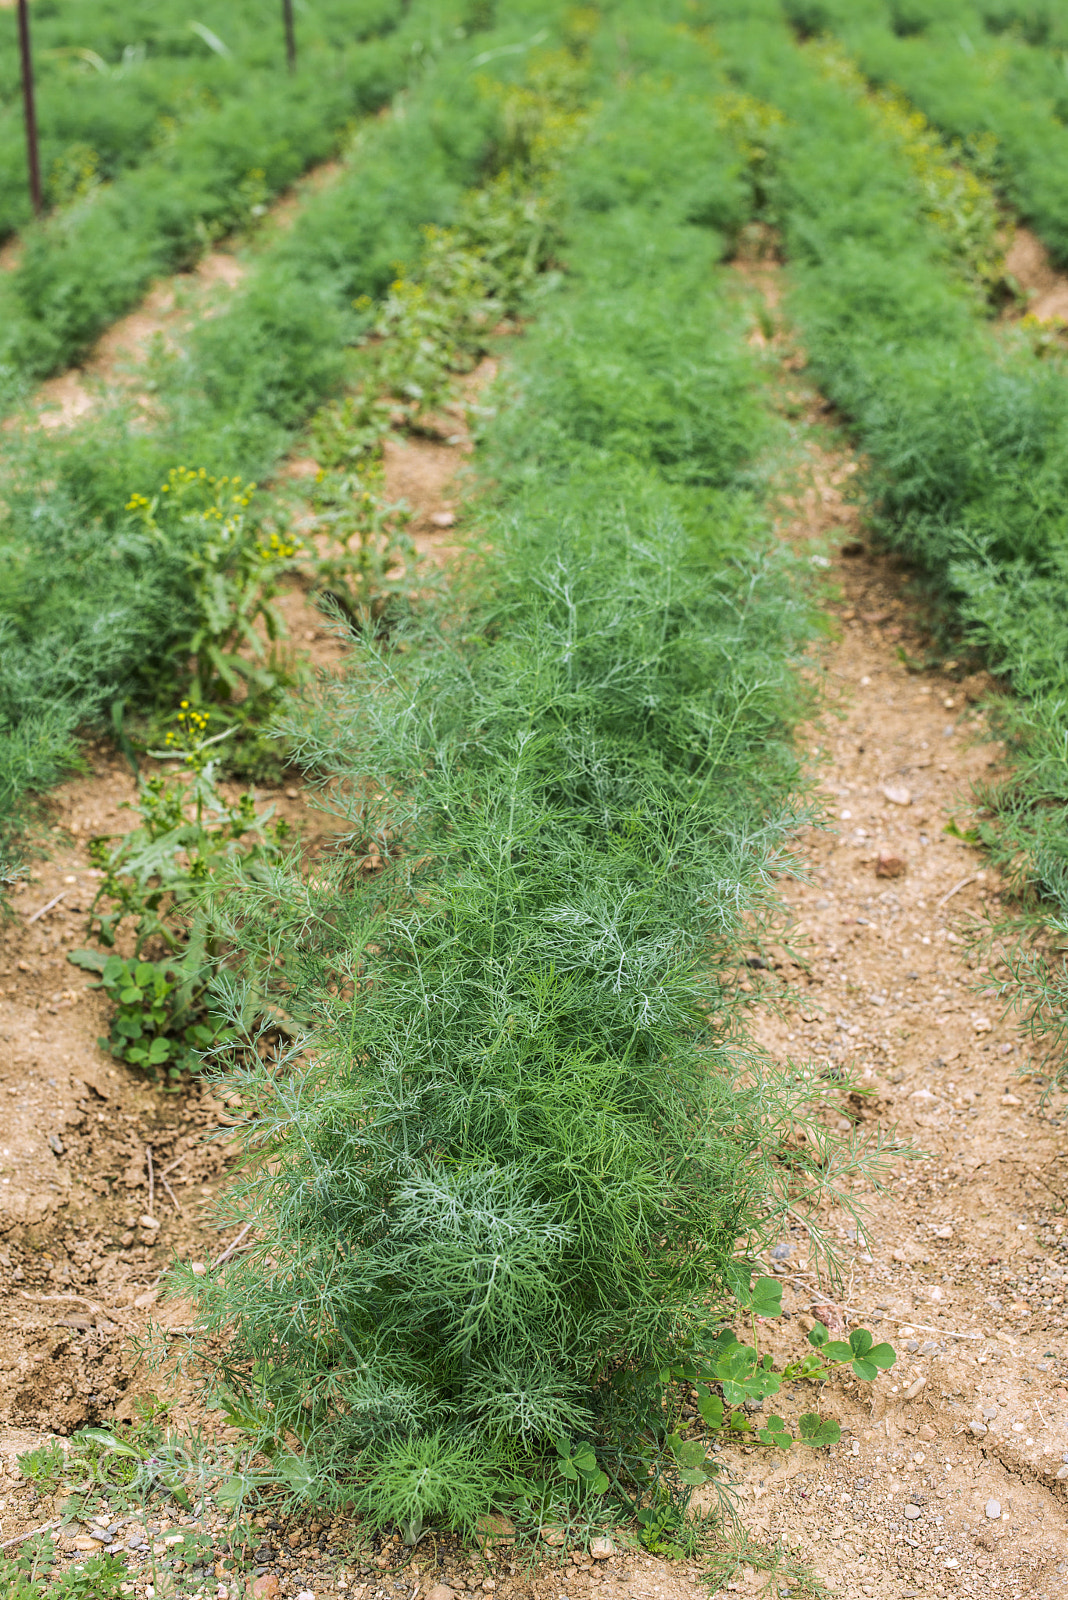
x=32 y=159
x=291 y=38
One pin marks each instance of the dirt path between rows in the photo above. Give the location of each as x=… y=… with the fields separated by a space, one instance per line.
x=952 y=1475
x=172 y=306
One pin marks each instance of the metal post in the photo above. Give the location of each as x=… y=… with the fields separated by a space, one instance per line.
x=291 y=39
x=32 y=158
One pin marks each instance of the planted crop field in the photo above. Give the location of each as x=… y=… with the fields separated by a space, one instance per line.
x=165 y=134
x=532 y=802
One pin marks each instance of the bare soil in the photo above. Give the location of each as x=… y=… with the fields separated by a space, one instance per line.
x=952 y=1475
x=1045 y=289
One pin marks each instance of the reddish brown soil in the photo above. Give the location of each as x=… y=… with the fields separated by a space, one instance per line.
x=961 y=1259
x=1045 y=289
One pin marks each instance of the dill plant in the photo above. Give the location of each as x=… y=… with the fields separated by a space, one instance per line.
x=116 y=84
x=989 y=76
x=87 y=599
x=184 y=175
x=500 y=1179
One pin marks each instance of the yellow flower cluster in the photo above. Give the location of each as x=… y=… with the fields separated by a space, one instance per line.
x=192 y=726
x=277 y=549
x=181 y=477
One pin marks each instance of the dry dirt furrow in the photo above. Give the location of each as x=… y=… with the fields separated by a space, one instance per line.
x=171 y=307
x=952 y=1475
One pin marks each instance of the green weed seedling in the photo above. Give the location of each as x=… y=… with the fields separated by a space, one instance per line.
x=566 y=1496
x=44 y=1464
x=785 y=1575
x=367 y=558
x=189 y=831
x=664 y=1468
x=233 y=566
x=151 y=1459
x=100 y=1465
x=155 y=876
x=150 y=1028
x=100 y=1473
x=729 y=1373
x=578 y=1465
x=31 y=1576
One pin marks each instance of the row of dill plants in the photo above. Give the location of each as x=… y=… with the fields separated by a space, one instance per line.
x=990 y=75
x=115 y=82
x=513 y=1160
x=195 y=174
x=963 y=423
x=99 y=613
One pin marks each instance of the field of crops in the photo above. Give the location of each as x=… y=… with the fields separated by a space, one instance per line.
x=512 y=1149
x=166 y=135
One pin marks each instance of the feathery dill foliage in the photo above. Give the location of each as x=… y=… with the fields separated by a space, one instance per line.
x=965 y=425
x=118 y=83
x=506 y=1168
x=89 y=602
x=134 y=203
x=989 y=73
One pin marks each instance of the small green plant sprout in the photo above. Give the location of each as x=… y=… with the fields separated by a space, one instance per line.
x=562 y=1497
x=230 y=567
x=30 y=1575
x=1047 y=336
x=189 y=830
x=363 y=554
x=859 y=1352
x=44 y=1464
x=433 y=322
x=578 y=1465
x=151 y=1459
x=263 y=1439
x=155 y=1027
x=155 y=876
x=347 y=434
x=728 y=1375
